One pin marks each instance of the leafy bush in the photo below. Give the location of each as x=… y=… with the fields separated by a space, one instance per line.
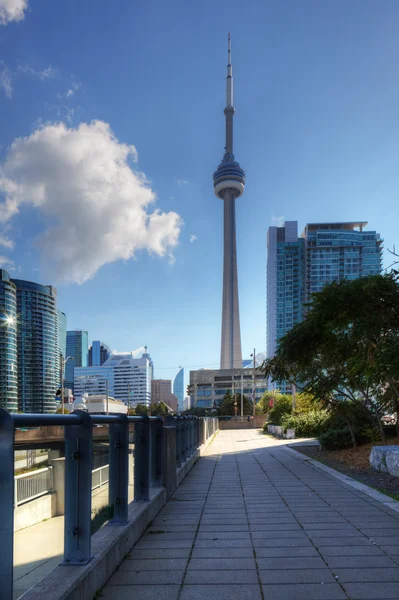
x=308 y=424
x=336 y=439
x=282 y=406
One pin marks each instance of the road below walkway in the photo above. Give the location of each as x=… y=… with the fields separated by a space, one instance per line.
x=252 y=521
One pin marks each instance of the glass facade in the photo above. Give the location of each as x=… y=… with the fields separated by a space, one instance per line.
x=8 y=344
x=98 y=353
x=178 y=388
x=337 y=251
x=77 y=346
x=37 y=346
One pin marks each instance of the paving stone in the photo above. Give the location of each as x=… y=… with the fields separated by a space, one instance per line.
x=370 y=550
x=158 y=564
x=218 y=543
x=222 y=552
x=304 y=591
x=160 y=552
x=146 y=578
x=367 y=574
x=215 y=564
x=220 y=592
x=372 y=591
x=140 y=592
x=291 y=563
x=297 y=576
x=164 y=544
x=278 y=543
x=221 y=577
x=287 y=552
x=361 y=562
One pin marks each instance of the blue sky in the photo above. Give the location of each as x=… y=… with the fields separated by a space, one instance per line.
x=316 y=130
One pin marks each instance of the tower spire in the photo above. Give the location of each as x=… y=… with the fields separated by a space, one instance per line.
x=229 y=79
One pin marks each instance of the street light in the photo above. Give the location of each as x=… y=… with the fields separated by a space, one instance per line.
x=63 y=364
x=254 y=384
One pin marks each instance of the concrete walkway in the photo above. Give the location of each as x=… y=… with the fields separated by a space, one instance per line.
x=252 y=521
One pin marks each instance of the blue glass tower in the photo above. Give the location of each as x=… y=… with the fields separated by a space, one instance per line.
x=37 y=346
x=98 y=353
x=8 y=344
x=77 y=346
x=178 y=388
x=229 y=181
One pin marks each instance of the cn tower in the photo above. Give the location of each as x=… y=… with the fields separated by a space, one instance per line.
x=229 y=181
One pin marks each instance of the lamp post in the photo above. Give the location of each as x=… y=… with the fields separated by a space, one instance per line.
x=63 y=365
x=253 y=384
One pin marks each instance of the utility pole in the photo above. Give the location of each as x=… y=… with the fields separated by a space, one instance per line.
x=254 y=387
x=106 y=394
x=62 y=384
x=242 y=398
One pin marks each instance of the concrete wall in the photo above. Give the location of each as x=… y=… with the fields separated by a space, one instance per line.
x=255 y=423
x=34 y=511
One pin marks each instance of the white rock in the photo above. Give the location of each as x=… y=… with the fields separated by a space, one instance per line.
x=392 y=461
x=378 y=458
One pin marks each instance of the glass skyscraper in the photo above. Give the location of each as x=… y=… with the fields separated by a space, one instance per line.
x=337 y=251
x=77 y=346
x=8 y=344
x=178 y=388
x=37 y=346
x=98 y=353
x=299 y=266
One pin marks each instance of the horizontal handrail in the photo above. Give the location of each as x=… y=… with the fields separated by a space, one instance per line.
x=35 y=472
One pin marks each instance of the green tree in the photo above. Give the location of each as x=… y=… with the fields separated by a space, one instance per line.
x=346 y=350
x=266 y=402
x=159 y=408
x=141 y=410
x=227 y=408
x=282 y=405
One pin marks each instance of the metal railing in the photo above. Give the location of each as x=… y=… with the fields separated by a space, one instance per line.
x=99 y=477
x=32 y=485
x=191 y=433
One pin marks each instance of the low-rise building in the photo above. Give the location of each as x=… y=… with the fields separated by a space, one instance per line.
x=208 y=387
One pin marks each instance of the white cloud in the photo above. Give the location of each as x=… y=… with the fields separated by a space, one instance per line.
x=193 y=238
x=12 y=10
x=6 y=242
x=96 y=205
x=181 y=182
x=7 y=263
x=5 y=78
x=47 y=73
x=278 y=221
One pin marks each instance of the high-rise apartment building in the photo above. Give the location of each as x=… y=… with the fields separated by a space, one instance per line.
x=178 y=388
x=8 y=344
x=62 y=329
x=37 y=346
x=300 y=266
x=337 y=251
x=285 y=281
x=128 y=377
x=77 y=346
x=98 y=353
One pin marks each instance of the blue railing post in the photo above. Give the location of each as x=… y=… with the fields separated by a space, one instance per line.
x=142 y=460
x=192 y=435
x=178 y=440
x=156 y=451
x=183 y=439
x=119 y=471
x=6 y=503
x=78 y=465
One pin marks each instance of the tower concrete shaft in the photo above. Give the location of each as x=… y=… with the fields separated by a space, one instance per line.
x=229 y=181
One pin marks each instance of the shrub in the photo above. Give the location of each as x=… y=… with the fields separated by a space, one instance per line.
x=308 y=424
x=336 y=439
x=282 y=406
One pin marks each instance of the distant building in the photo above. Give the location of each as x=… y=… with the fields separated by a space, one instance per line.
x=300 y=266
x=98 y=353
x=77 y=346
x=62 y=329
x=93 y=380
x=161 y=391
x=129 y=378
x=38 y=346
x=208 y=387
x=8 y=344
x=337 y=251
x=187 y=403
x=97 y=405
x=178 y=388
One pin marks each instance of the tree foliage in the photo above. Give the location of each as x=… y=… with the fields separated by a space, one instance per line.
x=159 y=408
x=346 y=350
x=141 y=410
x=227 y=408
